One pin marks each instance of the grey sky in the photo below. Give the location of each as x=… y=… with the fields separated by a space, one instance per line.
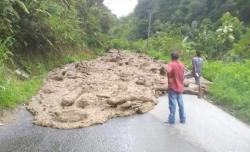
x=121 y=7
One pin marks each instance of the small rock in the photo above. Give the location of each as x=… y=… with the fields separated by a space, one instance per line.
x=190 y=91
x=83 y=103
x=113 y=102
x=126 y=105
x=64 y=73
x=57 y=78
x=67 y=102
x=163 y=71
x=114 y=59
x=86 y=99
x=154 y=69
x=145 y=108
x=48 y=90
x=69 y=99
x=113 y=51
x=22 y=74
x=141 y=82
x=144 y=65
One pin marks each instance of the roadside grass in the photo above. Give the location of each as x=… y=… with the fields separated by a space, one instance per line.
x=17 y=91
x=158 y=55
x=231 y=82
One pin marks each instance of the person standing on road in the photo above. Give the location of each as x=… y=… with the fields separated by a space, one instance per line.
x=175 y=73
x=197 y=62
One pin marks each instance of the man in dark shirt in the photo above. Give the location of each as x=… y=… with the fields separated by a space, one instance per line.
x=175 y=73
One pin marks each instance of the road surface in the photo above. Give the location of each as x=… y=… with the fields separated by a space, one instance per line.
x=208 y=129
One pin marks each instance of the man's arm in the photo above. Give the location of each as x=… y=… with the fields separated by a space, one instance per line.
x=168 y=68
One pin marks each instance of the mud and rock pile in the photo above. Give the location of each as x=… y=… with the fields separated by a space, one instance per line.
x=91 y=92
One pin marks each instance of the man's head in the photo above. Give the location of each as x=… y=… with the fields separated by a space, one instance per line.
x=198 y=53
x=175 y=55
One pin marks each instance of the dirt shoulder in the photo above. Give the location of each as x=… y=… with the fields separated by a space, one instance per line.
x=7 y=116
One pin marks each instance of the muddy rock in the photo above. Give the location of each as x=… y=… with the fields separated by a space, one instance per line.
x=91 y=92
x=70 y=116
x=163 y=71
x=86 y=100
x=141 y=81
x=70 y=98
x=145 y=107
x=57 y=78
x=192 y=88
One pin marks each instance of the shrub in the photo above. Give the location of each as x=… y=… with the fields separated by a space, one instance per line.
x=119 y=44
x=17 y=92
x=163 y=42
x=230 y=87
x=241 y=49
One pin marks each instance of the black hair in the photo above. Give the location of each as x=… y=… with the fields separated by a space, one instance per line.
x=198 y=53
x=175 y=55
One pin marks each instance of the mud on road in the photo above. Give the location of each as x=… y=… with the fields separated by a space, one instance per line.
x=92 y=92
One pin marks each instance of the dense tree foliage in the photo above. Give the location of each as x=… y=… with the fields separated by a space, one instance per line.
x=186 y=11
x=40 y=26
x=213 y=26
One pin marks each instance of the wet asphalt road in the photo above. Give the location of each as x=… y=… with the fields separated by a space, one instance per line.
x=208 y=129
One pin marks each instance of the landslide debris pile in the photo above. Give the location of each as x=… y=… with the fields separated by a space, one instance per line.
x=91 y=92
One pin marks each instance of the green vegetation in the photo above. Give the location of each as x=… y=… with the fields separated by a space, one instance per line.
x=231 y=86
x=15 y=91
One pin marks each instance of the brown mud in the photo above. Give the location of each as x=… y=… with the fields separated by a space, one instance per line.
x=92 y=92
x=8 y=116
